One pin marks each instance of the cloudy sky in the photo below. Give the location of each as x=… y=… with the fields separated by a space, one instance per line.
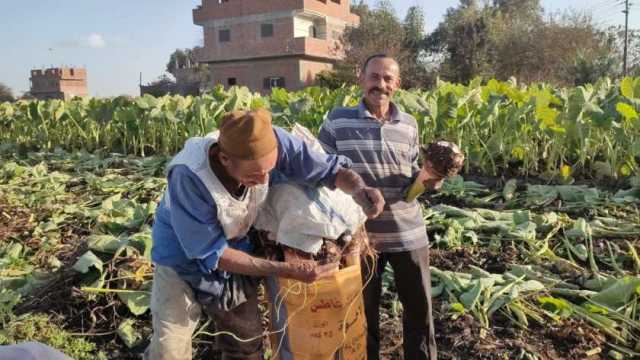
x=117 y=40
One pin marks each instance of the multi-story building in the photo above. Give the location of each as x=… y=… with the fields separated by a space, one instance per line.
x=276 y=43
x=58 y=83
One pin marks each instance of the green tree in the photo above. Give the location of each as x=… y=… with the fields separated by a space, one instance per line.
x=185 y=68
x=181 y=58
x=463 y=40
x=415 y=71
x=514 y=38
x=381 y=31
x=588 y=69
x=616 y=36
x=5 y=93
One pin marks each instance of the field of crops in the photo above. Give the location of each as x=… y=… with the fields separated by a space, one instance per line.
x=535 y=247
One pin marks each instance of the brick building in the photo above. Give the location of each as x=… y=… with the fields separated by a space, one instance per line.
x=58 y=83
x=277 y=43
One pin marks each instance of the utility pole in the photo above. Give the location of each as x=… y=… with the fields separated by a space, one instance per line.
x=626 y=36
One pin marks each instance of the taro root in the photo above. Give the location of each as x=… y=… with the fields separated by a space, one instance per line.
x=445 y=158
x=343 y=252
x=441 y=159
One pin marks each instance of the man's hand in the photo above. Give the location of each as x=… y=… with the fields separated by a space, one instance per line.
x=236 y=261
x=309 y=271
x=432 y=178
x=368 y=198
x=433 y=184
x=371 y=201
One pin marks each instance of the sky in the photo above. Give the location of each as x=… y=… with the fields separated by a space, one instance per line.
x=117 y=40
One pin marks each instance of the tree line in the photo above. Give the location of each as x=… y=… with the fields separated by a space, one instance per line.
x=487 y=39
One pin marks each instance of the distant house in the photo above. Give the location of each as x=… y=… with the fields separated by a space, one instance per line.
x=188 y=81
x=276 y=43
x=58 y=83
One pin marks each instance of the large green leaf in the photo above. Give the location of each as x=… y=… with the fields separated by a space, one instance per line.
x=627 y=88
x=619 y=293
x=87 y=261
x=557 y=306
x=138 y=302
x=627 y=111
x=105 y=243
x=128 y=334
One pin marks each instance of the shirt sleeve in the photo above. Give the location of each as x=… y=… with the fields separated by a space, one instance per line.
x=327 y=137
x=298 y=163
x=415 y=155
x=194 y=219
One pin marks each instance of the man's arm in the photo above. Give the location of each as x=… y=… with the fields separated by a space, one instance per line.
x=238 y=262
x=301 y=164
x=195 y=221
x=370 y=199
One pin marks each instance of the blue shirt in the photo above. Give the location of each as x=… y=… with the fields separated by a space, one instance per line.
x=187 y=235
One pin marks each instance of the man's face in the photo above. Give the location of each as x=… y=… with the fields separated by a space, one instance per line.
x=250 y=172
x=380 y=80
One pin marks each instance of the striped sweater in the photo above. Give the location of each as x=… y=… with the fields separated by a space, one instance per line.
x=386 y=156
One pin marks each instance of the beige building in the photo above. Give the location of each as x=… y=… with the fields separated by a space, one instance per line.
x=276 y=43
x=58 y=83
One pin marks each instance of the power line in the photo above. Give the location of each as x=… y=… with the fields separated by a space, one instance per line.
x=605 y=6
x=626 y=36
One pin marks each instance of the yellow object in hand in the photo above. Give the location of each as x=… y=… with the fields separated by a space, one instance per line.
x=416 y=189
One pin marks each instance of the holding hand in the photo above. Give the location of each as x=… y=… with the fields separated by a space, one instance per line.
x=309 y=271
x=440 y=160
x=371 y=201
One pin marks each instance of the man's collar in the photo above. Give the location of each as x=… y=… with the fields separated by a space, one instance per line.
x=364 y=113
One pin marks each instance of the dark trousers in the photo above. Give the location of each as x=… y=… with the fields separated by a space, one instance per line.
x=413 y=281
x=244 y=321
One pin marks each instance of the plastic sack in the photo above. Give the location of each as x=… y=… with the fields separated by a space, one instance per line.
x=326 y=318
x=300 y=217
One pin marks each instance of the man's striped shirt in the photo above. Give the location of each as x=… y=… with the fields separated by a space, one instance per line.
x=385 y=154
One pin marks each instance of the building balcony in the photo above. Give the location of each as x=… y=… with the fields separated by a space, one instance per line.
x=300 y=46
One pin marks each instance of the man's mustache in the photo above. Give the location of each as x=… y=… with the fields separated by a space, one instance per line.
x=378 y=89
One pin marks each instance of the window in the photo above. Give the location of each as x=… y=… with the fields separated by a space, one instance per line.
x=224 y=35
x=71 y=72
x=266 y=30
x=336 y=1
x=314 y=31
x=232 y=81
x=273 y=82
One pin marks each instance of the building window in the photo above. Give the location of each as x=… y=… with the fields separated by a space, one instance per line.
x=232 y=81
x=71 y=72
x=274 y=82
x=224 y=35
x=336 y=1
x=266 y=30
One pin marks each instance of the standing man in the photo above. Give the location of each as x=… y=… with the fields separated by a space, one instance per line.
x=200 y=247
x=383 y=144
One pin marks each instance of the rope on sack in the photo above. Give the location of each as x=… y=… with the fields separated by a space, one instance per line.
x=286 y=324
x=374 y=264
x=302 y=290
x=297 y=289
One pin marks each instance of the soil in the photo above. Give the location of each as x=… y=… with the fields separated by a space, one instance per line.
x=459 y=338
